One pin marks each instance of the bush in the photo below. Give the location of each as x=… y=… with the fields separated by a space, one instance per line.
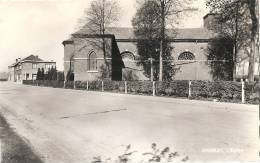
x=155 y=154
x=114 y=86
x=81 y=85
x=28 y=82
x=221 y=90
x=252 y=92
x=69 y=84
x=140 y=87
x=45 y=83
x=173 y=88
x=95 y=85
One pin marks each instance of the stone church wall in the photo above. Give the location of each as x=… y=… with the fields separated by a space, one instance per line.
x=192 y=70
x=197 y=69
x=77 y=58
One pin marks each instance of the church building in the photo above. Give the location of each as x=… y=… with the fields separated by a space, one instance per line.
x=85 y=56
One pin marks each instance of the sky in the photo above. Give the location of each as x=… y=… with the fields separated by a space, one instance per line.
x=39 y=26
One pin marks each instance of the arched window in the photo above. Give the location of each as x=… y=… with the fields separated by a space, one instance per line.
x=186 y=56
x=128 y=55
x=92 y=61
x=128 y=59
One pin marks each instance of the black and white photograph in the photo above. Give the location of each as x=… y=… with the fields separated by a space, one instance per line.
x=129 y=81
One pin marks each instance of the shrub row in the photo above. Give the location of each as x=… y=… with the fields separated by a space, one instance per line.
x=140 y=87
x=174 y=88
x=114 y=86
x=111 y=86
x=28 y=82
x=45 y=83
x=221 y=90
x=252 y=91
x=69 y=84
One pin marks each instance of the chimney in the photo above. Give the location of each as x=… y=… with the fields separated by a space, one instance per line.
x=37 y=56
x=16 y=60
x=209 y=21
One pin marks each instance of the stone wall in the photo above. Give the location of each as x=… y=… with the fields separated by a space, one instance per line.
x=192 y=70
x=187 y=70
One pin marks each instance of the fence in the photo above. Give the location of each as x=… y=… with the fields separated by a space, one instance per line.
x=239 y=92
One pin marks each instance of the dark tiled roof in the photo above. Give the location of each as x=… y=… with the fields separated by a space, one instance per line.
x=184 y=33
x=194 y=33
x=32 y=58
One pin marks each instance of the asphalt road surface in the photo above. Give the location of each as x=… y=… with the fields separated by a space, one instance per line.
x=65 y=126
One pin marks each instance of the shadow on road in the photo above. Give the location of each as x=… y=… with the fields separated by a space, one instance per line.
x=13 y=148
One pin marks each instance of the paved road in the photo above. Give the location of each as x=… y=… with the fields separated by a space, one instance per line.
x=74 y=126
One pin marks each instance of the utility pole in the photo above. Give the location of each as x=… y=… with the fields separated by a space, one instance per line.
x=162 y=39
x=235 y=44
x=151 y=61
x=258 y=47
x=257 y=39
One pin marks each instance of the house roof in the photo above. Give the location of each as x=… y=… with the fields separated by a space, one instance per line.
x=32 y=58
x=182 y=33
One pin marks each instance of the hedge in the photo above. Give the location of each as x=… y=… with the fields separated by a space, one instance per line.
x=69 y=84
x=45 y=83
x=81 y=85
x=114 y=86
x=225 y=91
x=140 y=87
x=252 y=91
x=174 y=88
x=28 y=82
x=220 y=90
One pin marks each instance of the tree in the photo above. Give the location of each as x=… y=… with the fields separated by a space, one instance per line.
x=39 y=74
x=70 y=76
x=166 y=14
x=150 y=23
x=242 y=14
x=221 y=58
x=146 y=25
x=42 y=74
x=129 y=75
x=254 y=28
x=54 y=75
x=48 y=74
x=60 y=76
x=100 y=15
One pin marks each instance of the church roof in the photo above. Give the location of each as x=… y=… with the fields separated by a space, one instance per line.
x=182 y=33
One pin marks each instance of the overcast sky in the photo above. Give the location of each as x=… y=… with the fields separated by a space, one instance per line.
x=39 y=26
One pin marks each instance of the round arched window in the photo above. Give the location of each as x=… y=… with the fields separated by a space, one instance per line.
x=128 y=59
x=186 y=56
x=127 y=55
